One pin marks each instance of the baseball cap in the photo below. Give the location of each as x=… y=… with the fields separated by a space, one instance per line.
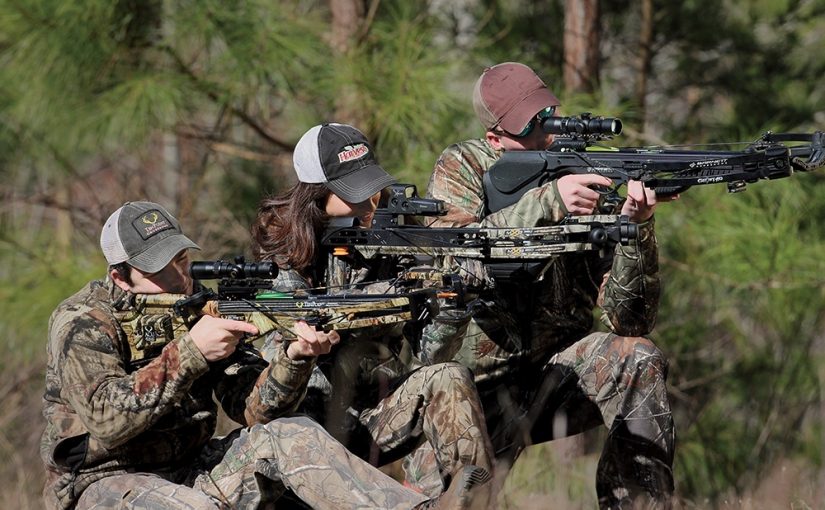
x=144 y=235
x=340 y=157
x=509 y=95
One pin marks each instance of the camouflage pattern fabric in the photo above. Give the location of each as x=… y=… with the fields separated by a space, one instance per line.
x=517 y=339
x=256 y=466
x=601 y=379
x=140 y=491
x=106 y=417
x=438 y=404
x=458 y=180
x=508 y=325
x=371 y=394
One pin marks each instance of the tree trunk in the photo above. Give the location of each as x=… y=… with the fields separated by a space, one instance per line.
x=645 y=57
x=581 y=45
x=348 y=18
x=65 y=227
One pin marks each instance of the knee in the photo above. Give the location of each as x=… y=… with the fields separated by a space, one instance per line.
x=287 y=427
x=640 y=354
x=447 y=374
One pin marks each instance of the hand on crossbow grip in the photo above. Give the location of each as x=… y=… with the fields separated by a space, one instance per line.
x=641 y=202
x=580 y=192
x=309 y=342
x=217 y=338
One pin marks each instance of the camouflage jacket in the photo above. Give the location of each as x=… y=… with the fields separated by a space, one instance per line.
x=510 y=325
x=105 y=416
x=368 y=362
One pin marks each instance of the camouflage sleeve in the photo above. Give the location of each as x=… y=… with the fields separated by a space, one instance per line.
x=629 y=296
x=114 y=405
x=457 y=180
x=279 y=389
x=538 y=207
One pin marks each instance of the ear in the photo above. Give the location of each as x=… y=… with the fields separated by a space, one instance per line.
x=118 y=280
x=494 y=139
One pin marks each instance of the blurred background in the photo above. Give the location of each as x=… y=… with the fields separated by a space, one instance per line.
x=198 y=104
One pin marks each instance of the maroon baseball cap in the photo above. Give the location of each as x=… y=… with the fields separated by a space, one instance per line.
x=509 y=95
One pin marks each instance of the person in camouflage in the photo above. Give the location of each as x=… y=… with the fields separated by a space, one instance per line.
x=540 y=374
x=122 y=434
x=368 y=392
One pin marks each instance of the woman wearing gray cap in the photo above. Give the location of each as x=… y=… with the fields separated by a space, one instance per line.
x=364 y=392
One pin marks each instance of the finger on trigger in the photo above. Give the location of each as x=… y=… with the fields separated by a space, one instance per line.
x=239 y=326
x=599 y=180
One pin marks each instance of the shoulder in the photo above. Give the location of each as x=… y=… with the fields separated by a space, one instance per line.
x=476 y=154
x=475 y=147
x=92 y=300
x=89 y=312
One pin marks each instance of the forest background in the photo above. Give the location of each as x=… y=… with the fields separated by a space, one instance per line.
x=198 y=105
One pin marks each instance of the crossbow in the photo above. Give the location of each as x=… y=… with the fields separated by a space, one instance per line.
x=668 y=171
x=245 y=292
x=505 y=252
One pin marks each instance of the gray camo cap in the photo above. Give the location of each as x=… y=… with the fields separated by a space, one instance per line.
x=144 y=235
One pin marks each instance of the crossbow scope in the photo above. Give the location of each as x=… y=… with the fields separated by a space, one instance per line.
x=584 y=124
x=239 y=269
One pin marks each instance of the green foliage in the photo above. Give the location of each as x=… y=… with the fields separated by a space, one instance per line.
x=244 y=185
x=543 y=478
x=523 y=31
x=97 y=74
x=400 y=78
x=35 y=278
x=744 y=373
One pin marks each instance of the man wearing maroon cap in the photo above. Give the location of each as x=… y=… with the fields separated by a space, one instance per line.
x=540 y=374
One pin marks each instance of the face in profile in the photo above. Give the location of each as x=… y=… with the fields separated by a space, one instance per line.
x=336 y=207
x=173 y=279
x=532 y=138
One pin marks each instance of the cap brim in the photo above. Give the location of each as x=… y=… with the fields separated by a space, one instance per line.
x=361 y=184
x=160 y=254
x=516 y=119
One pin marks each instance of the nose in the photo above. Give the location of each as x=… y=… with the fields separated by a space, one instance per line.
x=367 y=206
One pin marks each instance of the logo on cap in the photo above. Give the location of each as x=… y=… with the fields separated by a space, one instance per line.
x=352 y=152
x=153 y=222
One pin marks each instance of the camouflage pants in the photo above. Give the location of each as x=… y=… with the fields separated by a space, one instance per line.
x=258 y=466
x=601 y=379
x=436 y=404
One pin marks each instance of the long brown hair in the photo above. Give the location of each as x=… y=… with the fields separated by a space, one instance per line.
x=287 y=227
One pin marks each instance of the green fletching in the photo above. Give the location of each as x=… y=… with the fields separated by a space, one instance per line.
x=274 y=295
